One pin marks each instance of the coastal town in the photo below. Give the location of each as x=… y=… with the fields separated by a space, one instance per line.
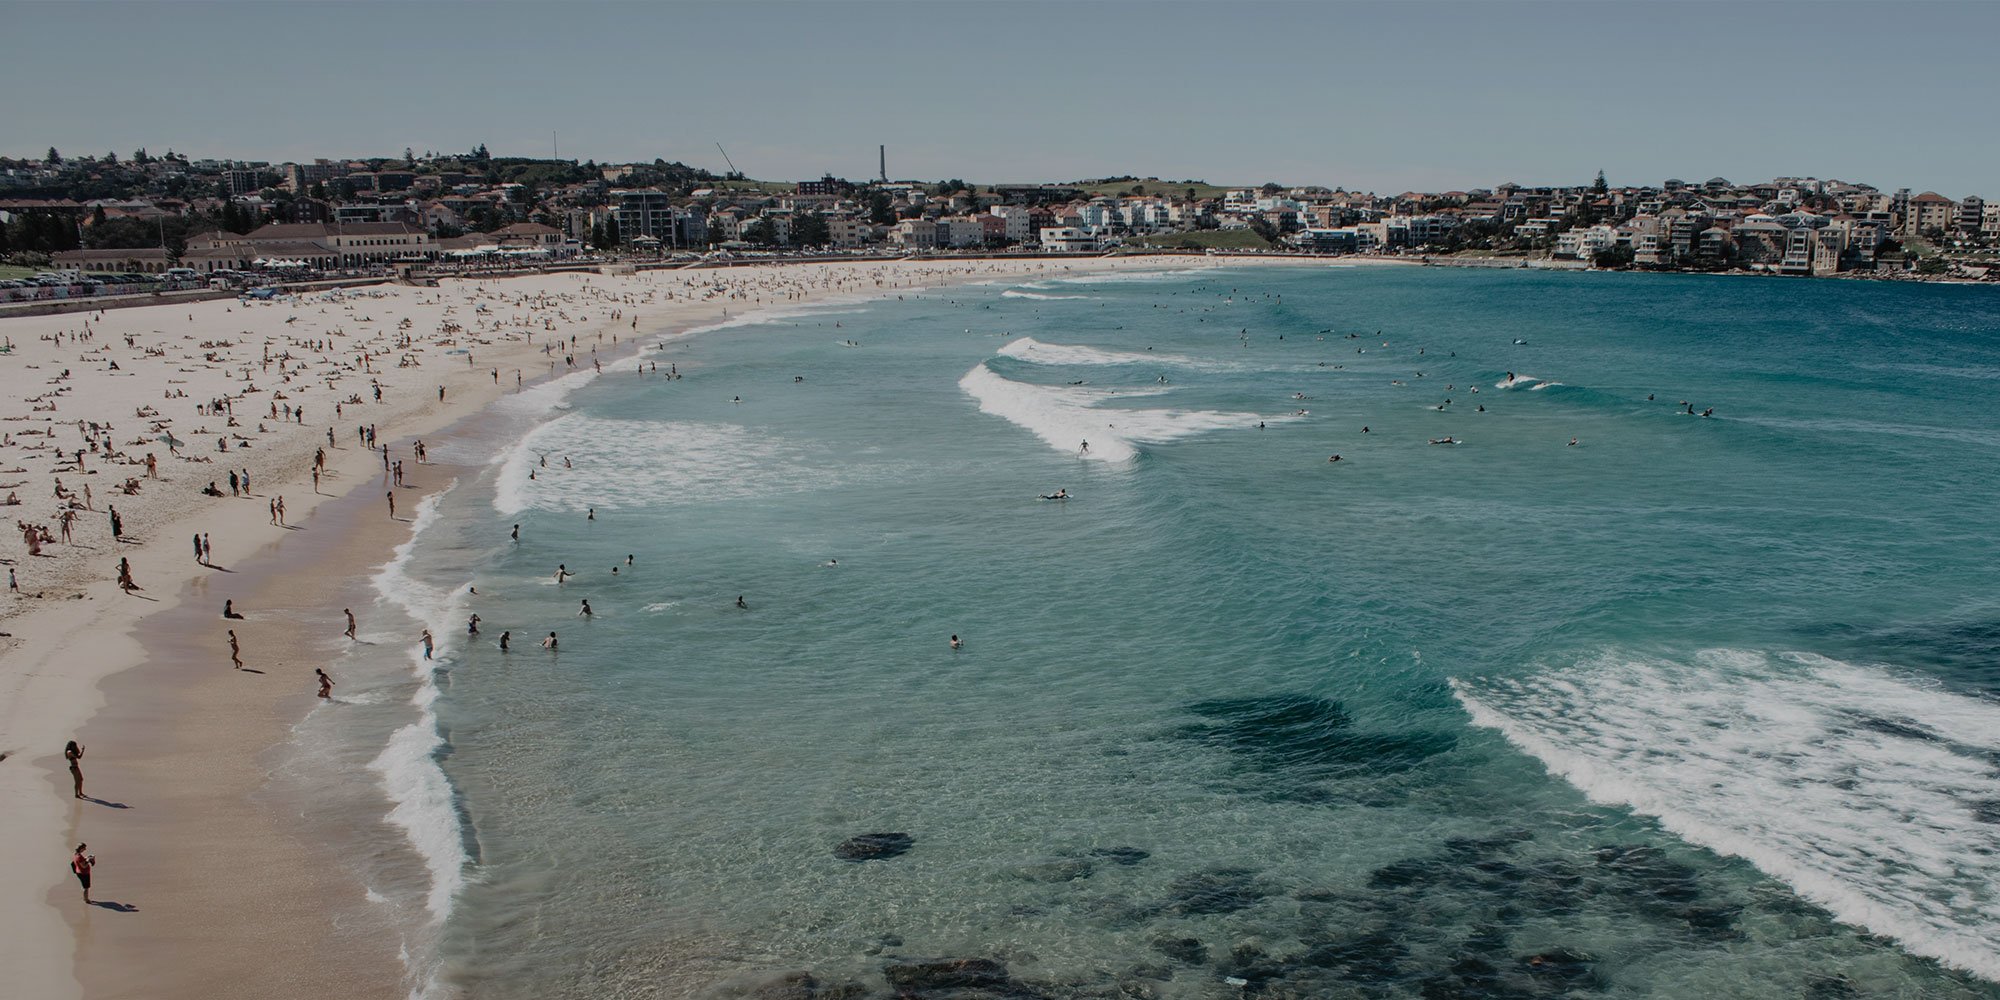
x=97 y=225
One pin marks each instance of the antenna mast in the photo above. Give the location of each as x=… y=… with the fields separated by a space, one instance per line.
x=726 y=159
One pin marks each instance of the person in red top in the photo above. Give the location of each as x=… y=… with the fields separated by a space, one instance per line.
x=81 y=864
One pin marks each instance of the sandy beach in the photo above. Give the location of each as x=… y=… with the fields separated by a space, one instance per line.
x=203 y=889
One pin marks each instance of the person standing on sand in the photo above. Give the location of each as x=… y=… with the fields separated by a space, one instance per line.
x=198 y=558
x=350 y=621
x=80 y=864
x=73 y=753
x=235 y=650
x=392 y=506
x=325 y=684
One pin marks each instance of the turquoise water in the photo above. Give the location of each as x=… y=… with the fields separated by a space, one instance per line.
x=1696 y=705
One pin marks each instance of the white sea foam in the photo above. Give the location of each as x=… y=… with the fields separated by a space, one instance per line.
x=423 y=802
x=1068 y=416
x=1869 y=794
x=631 y=463
x=1030 y=349
x=1133 y=277
x=1520 y=382
x=1015 y=293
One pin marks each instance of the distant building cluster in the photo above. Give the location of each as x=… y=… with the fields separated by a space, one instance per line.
x=151 y=214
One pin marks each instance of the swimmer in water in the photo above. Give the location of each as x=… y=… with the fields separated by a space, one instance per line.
x=1335 y=458
x=584 y=612
x=740 y=604
x=562 y=572
x=550 y=642
x=955 y=644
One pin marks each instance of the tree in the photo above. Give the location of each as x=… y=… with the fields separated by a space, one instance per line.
x=139 y=156
x=1263 y=228
x=810 y=230
x=879 y=210
x=111 y=157
x=409 y=156
x=1598 y=186
x=54 y=157
x=317 y=191
x=611 y=237
x=1613 y=257
x=761 y=232
x=97 y=216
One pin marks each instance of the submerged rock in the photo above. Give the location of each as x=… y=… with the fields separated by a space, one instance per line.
x=1217 y=890
x=791 y=986
x=1301 y=733
x=1182 y=949
x=873 y=846
x=1562 y=965
x=917 y=978
x=1121 y=855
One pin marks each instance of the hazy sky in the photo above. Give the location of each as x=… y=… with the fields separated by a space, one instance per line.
x=1373 y=96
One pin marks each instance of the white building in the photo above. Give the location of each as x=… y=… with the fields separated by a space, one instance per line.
x=915 y=233
x=1068 y=238
x=1016 y=216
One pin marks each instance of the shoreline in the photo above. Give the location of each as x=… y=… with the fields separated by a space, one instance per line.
x=140 y=654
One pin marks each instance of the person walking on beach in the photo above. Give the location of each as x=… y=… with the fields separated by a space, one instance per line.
x=199 y=557
x=74 y=753
x=325 y=684
x=392 y=506
x=235 y=650
x=350 y=621
x=117 y=523
x=80 y=864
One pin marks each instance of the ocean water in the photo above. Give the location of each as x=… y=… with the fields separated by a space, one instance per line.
x=1692 y=706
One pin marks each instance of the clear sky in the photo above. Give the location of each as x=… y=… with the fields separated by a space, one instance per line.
x=1385 y=97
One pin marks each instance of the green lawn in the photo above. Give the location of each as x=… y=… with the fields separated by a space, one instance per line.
x=8 y=271
x=1204 y=239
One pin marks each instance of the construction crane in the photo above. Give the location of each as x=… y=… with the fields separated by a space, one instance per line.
x=726 y=159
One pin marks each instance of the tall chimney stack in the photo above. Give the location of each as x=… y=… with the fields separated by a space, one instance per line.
x=883 y=151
